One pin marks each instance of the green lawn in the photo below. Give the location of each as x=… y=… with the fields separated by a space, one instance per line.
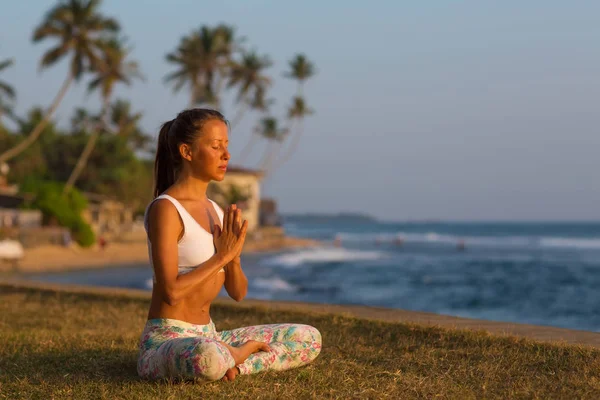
x=57 y=345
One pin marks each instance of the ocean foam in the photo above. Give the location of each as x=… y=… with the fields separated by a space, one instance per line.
x=322 y=255
x=273 y=284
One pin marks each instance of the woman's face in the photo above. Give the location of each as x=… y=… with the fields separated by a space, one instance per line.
x=209 y=154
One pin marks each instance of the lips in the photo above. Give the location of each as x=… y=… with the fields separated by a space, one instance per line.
x=223 y=167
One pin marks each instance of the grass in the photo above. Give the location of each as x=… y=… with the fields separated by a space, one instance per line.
x=57 y=345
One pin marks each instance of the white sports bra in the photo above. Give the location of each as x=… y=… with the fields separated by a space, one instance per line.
x=195 y=246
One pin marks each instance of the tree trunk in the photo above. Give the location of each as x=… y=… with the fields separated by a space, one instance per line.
x=246 y=150
x=267 y=156
x=22 y=145
x=239 y=114
x=293 y=144
x=87 y=150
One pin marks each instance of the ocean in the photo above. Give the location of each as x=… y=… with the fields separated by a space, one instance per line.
x=537 y=273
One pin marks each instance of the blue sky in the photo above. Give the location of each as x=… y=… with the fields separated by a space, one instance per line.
x=459 y=110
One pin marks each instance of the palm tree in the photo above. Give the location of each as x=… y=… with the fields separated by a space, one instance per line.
x=124 y=122
x=247 y=76
x=228 y=43
x=198 y=58
x=5 y=91
x=114 y=68
x=80 y=29
x=258 y=101
x=268 y=129
x=296 y=112
x=300 y=69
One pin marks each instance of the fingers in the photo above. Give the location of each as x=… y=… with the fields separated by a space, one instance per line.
x=231 y=218
x=244 y=230
x=216 y=231
x=225 y=218
x=238 y=219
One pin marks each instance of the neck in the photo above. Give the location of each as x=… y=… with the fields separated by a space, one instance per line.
x=192 y=186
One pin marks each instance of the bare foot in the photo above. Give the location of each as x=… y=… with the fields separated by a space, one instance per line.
x=231 y=374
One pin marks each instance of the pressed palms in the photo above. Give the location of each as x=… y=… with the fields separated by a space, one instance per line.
x=247 y=75
x=114 y=68
x=6 y=91
x=269 y=129
x=197 y=59
x=80 y=30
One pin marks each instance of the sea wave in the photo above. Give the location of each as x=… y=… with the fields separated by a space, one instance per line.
x=322 y=255
x=487 y=241
x=273 y=284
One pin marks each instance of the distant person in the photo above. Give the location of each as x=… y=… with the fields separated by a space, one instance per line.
x=337 y=241
x=195 y=249
x=102 y=242
x=398 y=240
x=461 y=245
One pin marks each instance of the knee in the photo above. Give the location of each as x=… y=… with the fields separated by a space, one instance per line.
x=312 y=339
x=211 y=362
x=316 y=339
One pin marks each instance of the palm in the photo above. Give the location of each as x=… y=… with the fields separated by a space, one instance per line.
x=197 y=60
x=300 y=69
x=6 y=91
x=79 y=29
x=247 y=75
x=269 y=129
x=113 y=68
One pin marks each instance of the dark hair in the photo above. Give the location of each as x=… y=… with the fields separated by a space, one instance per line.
x=183 y=129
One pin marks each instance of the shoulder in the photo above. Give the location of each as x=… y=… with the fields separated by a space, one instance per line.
x=162 y=210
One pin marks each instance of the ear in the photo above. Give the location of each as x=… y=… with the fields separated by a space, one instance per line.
x=186 y=151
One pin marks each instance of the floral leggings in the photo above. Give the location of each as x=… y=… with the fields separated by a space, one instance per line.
x=171 y=348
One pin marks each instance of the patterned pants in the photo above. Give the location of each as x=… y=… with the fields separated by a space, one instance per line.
x=170 y=348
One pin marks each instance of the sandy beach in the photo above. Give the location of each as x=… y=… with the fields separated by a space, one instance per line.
x=58 y=258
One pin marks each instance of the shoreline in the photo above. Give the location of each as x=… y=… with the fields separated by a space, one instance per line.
x=541 y=333
x=45 y=259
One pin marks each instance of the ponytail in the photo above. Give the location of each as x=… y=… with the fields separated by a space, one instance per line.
x=183 y=129
x=164 y=166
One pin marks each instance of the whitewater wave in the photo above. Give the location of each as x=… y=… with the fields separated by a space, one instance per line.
x=321 y=256
x=487 y=241
x=274 y=284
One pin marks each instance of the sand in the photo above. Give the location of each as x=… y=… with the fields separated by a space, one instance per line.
x=58 y=258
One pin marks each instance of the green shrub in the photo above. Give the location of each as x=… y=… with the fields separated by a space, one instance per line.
x=65 y=209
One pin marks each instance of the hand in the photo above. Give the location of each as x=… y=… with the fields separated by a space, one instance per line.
x=229 y=240
x=237 y=218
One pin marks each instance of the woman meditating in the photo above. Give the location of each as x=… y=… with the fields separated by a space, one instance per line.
x=194 y=248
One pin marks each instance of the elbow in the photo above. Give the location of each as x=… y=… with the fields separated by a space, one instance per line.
x=240 y=296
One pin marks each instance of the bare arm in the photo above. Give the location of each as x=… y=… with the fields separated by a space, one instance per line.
x=164 y=227
x=236 y=283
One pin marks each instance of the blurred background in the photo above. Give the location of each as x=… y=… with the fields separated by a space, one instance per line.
x=428 y=156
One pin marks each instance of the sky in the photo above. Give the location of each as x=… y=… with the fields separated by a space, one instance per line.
x=452 y=110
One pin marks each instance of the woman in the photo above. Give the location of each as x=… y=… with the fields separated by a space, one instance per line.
x=194 y=248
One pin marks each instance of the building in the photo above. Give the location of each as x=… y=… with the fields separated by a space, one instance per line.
x=242 y=187
x=107 y=216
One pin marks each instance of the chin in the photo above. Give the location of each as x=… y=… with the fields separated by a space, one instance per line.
x=219 y=176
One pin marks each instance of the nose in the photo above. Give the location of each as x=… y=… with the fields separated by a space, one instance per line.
x=226 y=155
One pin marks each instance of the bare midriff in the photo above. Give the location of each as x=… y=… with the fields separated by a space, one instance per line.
x=194 y=309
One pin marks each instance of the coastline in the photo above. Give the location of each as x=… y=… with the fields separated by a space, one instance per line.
x=60 y=259
x=540 y=333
